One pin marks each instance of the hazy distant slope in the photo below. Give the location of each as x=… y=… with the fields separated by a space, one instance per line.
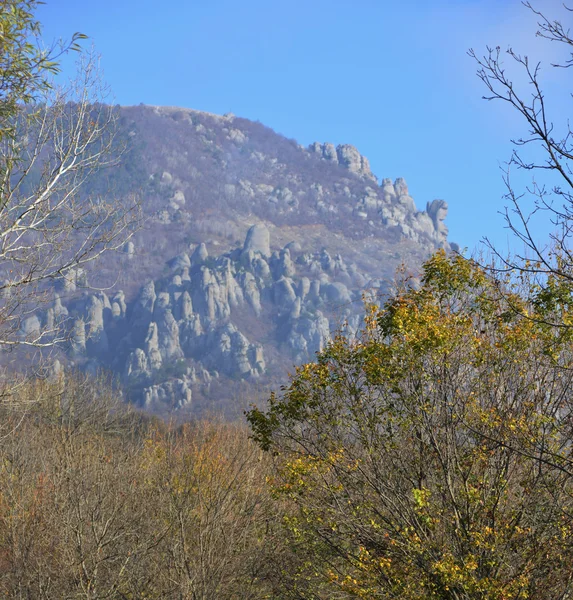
x=196 y=302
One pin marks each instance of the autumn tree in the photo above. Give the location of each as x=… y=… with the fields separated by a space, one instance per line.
x=99 y=501
x=430 y=458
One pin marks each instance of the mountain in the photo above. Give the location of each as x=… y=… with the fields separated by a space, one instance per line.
x=254 y=250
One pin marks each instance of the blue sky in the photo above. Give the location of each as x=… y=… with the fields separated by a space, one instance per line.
x=393 y=78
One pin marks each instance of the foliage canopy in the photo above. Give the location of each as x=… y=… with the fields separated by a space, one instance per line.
x=431 y=457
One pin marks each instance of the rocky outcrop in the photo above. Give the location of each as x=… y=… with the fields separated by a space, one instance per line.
x=199 y=255
x=308 y=335
x=345 y=155
x=254 y=249
x=349 y=157
x=437 y=211
x=190 y=327
x=30 y=328
x=96 y=342
x=174 y=393
x=258 y=240
x=229 y=352
x=129 y=249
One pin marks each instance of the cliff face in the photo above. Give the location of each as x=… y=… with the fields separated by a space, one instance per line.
x=254 y=250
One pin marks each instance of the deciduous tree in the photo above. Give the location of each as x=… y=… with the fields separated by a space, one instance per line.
x=431 y=458
x=52 y=137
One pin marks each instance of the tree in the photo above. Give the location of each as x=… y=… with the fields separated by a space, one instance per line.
x=550 y=138
x=430 y=458
x=98 y=501
x=211 y=494
x=52 y=138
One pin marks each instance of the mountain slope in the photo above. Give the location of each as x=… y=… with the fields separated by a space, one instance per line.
x=254 y=250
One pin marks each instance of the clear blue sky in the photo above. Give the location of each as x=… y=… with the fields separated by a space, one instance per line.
x=393 y=78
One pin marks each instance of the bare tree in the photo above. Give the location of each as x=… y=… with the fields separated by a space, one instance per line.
x=52 y=138
x=550 y=137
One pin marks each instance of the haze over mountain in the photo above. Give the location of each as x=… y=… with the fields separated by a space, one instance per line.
x=254 y=250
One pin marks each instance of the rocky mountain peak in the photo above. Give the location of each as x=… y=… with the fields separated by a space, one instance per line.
x=255 y=250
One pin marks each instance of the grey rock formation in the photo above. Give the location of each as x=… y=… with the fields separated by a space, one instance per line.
x=326 y=151
x=55 y=371
x=175 y=393
x=96 y=342
x=293 y=247
x=309 y=334
x=210 y=297
x=437 y=211
x=261 y=268
x=167 y=329
x=180 y=262
x=152 y=351
x=303 y=287
x=258 y=240
x=284 y=267
x=251 y=292
x=284 y=294
x=185 y=306
x=137 y=367
x=129 y=249
x=74 y=279
x=30 y=327
x=78 y=338
x=349 y=157
x=400 y=187
x=199 y=255
x=314 y=291
x=142 y=312
x=143 y=307
x=119 y=300
x=230 y=352
x=207 y=178
x=329 y=152
x=190 y=333
x=337 y=294
x=60 y=311
x=231 y=291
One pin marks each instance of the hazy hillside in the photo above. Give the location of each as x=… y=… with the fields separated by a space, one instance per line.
x=254 y=250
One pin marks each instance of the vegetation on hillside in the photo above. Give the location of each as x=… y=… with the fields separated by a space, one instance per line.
x=429 y=456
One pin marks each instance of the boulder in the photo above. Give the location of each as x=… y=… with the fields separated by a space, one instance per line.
x=258 y=240
x=199 y=255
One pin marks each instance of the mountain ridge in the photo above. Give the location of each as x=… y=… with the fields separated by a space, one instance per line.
x=254 y=250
